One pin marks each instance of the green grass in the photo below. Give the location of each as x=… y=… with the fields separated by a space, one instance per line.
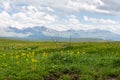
x=25 y=60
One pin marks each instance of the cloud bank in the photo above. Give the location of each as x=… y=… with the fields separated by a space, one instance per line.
x=60 y=15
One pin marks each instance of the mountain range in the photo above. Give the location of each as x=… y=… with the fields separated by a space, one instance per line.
x=44 y=33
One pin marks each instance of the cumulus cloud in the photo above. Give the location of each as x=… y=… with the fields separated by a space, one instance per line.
x=58 y=14
x=104 y=24
x=101 y=21
x=68 y=6
x=72 y=22
x=87 y=5
x=112 y=6
x=30 y=18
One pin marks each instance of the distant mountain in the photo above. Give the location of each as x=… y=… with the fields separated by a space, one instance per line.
x=95 y=33
x=43 y=33
x=37 y=33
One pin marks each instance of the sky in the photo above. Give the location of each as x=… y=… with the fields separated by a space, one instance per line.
x=59 y=15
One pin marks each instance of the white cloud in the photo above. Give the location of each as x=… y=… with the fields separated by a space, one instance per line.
x=71 y=23
x=50 y=9
x=29 y=18
x=4 y=19
x=6 y=5
x=104 y=24
x=49 y=13
x=66 y=6
x=101 y=21
x=87 y=5
x=112 y=6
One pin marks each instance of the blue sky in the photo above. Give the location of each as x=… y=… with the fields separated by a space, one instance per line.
x=60 y=15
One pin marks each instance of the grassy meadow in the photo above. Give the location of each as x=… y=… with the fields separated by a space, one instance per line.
x=27 y=60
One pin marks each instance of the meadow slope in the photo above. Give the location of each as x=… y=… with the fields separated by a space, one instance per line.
x=26 y=60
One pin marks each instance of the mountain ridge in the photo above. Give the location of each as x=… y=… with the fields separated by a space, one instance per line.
x=42 y=32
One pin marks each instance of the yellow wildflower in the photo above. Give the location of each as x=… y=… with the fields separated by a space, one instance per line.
x=34 y=60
